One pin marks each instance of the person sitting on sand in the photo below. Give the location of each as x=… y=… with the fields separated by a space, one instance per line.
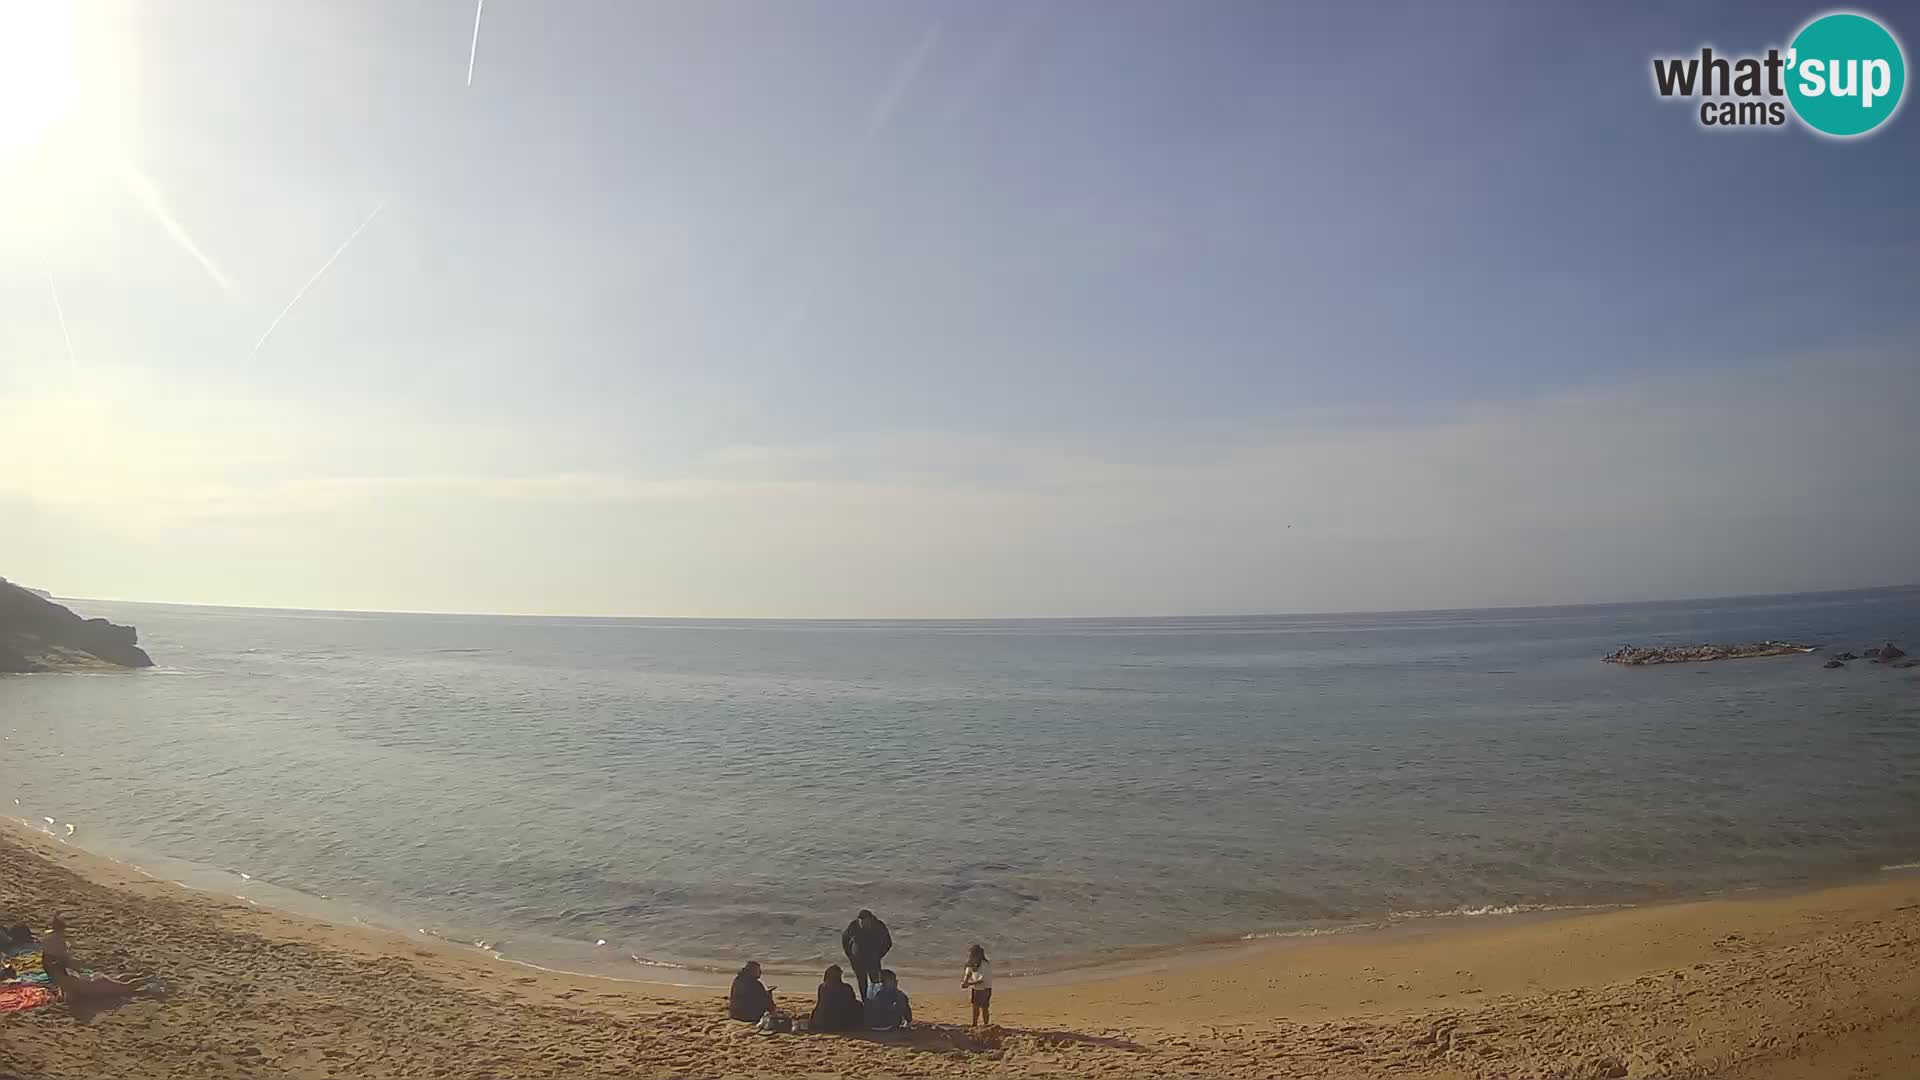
x=835 y=1008
x=57 y=957
x=749 y=1000
x=88 y=984
x=978 y=978
x=54 y=945
x=888 y=1007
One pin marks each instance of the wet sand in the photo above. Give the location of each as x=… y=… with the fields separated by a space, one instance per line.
x=1818 y=983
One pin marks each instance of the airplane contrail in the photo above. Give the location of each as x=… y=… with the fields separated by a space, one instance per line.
x=987 y=72
x=149 y=195
x=474 y=50
x=879 y=117
x=73 y=363
x=318 y=274
x=904 y=76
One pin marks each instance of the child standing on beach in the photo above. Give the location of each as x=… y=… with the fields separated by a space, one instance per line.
x=978 y=978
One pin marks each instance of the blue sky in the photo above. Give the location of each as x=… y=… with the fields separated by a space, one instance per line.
x=959 y=300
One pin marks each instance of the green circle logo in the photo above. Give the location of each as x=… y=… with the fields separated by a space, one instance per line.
x=1845 y=73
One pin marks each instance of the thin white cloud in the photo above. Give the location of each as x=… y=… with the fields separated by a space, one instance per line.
x=1763 y=480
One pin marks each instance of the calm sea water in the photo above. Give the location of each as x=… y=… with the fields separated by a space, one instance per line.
x=1063 y=791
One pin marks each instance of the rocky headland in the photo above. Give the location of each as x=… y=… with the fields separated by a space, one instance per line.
x=37 y=634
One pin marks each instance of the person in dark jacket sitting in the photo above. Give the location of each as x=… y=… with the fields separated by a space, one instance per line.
x=748 y=1000
x=866 y=942
x=887 y=1006
x=835 y=1008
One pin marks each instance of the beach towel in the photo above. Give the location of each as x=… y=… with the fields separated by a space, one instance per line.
x=28 y=967
x=18 y=998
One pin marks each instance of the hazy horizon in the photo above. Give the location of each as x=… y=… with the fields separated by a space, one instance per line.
x=1139 y=615
x=921 y=309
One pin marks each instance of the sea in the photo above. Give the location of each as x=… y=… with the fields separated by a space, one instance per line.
x=663 y=799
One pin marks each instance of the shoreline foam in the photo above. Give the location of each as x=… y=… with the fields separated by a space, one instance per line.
x=361 y=917
x=357 y=915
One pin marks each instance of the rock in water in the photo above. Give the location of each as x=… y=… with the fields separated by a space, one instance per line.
x=1890 y=651
x=37 y=634
x=1833 y=664
x=1693 y=654
x=1845 y=656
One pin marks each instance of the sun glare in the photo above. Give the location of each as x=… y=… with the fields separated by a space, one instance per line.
x=39 y=82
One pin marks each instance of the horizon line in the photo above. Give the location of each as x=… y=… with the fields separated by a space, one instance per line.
x=990 y=618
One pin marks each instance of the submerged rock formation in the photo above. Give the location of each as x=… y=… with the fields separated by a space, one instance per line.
x=1691 y=654
x=37 y=634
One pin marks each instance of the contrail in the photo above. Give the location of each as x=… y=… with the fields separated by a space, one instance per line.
x=474 y=50
x=879 y=118
x=881 y=114
x=149 y=195
x=318 y=274
x=73 y=362
x=986 y=73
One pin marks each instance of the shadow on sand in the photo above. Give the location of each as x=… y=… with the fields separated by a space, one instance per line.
x=85 y=1009
x=957 y=1039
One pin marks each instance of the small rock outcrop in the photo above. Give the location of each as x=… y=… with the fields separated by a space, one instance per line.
x=1845 y=656
x=1888 y=652
x=1693 y=654
x=37 y=634
x=1833 y=664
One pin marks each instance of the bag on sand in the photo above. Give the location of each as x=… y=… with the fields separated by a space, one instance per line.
x=775 y=1023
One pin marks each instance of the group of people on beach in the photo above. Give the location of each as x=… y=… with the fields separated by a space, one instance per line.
x=872 y=1002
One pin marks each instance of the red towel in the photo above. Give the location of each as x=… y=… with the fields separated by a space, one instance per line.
x=22 y=998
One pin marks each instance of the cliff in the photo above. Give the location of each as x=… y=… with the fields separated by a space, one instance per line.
x=37 y=634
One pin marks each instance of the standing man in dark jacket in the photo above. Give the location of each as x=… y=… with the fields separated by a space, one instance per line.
x=866 y=943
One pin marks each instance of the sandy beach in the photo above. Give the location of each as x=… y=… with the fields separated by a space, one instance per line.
x=1814 y=983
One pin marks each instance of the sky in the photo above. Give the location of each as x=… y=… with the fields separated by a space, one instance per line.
x=902 y=308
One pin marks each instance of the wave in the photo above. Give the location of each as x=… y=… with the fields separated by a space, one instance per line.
x=1903 y=866
x=1465 y=912
x=644 y=962
x=1323 y=931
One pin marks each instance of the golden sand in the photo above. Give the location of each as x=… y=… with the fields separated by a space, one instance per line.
x=1823 y=983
